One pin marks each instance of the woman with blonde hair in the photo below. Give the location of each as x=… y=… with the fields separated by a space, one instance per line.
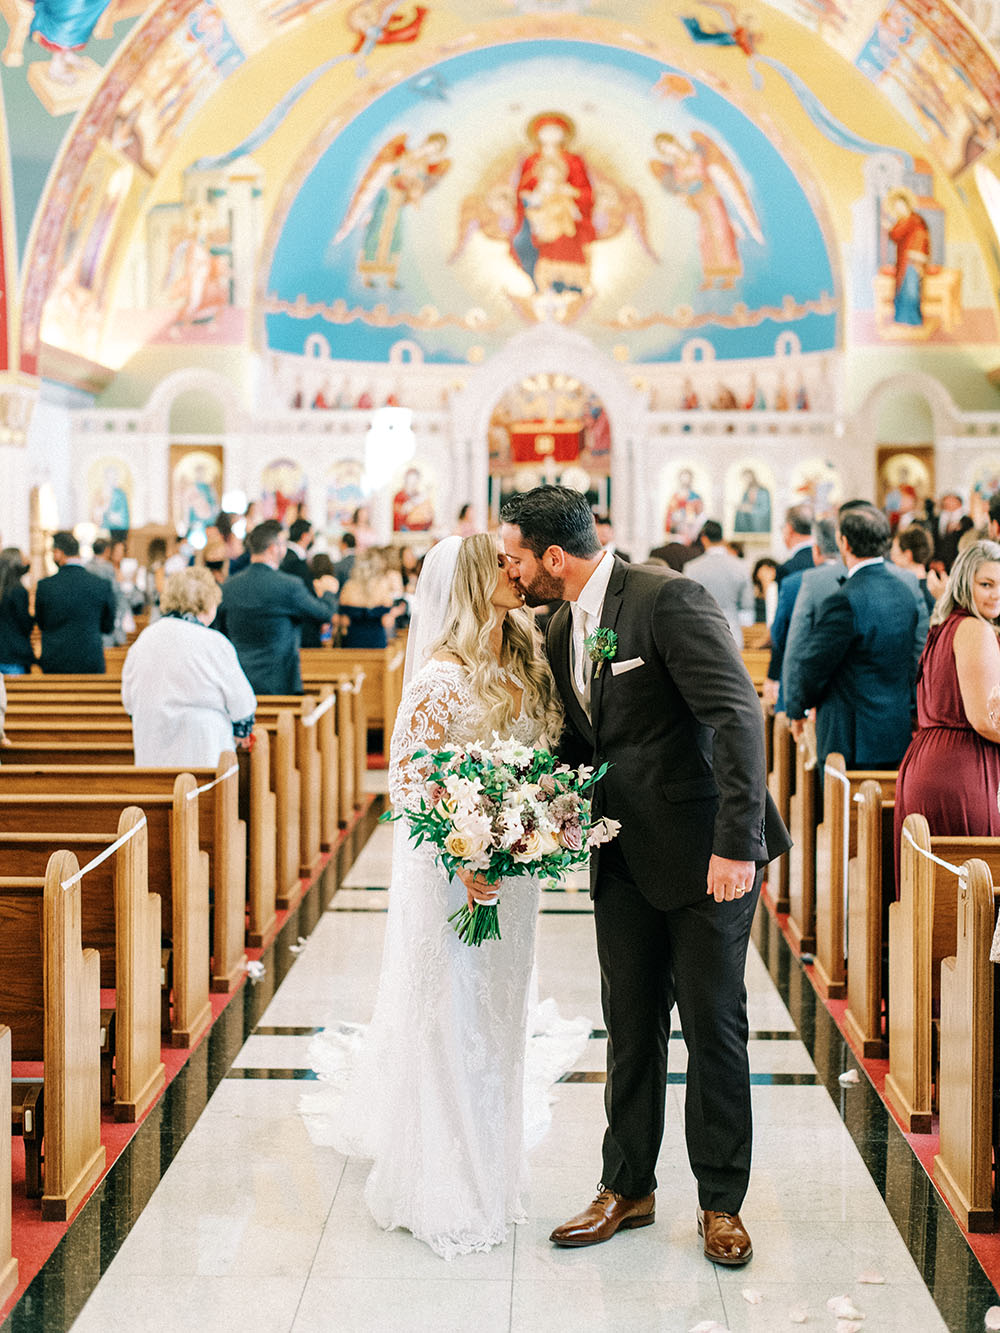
x=434 y=1092
x=951 y=771
x=369 y=602
x=182 y=682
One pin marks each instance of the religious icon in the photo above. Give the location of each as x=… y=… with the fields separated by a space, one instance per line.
x=733 y=29
x=707 y=181
x=401 y=25
x=282 y=488
x=911 y=236
x=816 y=481
x=398 y=176
x=752 y=513
x=109 y=487
x=549 y=207
x=904 y=482
x=685 y=507
x=344 y=494
x=413 y=505
x=196 y=486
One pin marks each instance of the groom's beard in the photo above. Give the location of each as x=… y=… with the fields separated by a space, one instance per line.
x=545 y=587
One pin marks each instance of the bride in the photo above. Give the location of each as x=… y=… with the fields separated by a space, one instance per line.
x=434 y=1090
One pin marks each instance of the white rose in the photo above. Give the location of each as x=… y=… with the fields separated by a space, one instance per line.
x=532 y=848
x=549 y=841
x=464 y=846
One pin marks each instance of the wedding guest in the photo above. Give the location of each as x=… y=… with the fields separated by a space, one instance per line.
x=912 y=549
x=797 y=536
x=724 y=576
x=103 y=565
x=765 y=587
x=16 y=653
x=262 y=611
x=606 y=536
x=465 y=524
x=857 y=665
x=73 y=609
x=368 y=603
x=951 y=771
x=182 y=683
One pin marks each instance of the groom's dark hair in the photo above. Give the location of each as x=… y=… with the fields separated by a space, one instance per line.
x=553 y=516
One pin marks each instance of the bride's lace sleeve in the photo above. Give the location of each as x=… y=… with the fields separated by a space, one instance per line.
x=429 y=704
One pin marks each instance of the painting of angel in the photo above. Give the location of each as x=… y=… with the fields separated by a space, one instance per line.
x=398 y=176
x=549 y=207
x=710 y=186
x=733 y=29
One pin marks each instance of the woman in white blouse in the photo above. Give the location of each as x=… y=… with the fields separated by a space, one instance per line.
x=182 y=682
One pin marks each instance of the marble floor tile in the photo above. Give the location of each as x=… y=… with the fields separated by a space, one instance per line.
x=610 y=1306
x=892 y=1308
x=374 y=1305
x=186 y=1304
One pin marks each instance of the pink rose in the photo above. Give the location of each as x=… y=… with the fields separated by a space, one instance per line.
x=571 y=837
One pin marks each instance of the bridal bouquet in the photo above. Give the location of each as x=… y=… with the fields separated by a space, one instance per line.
x=502 y=810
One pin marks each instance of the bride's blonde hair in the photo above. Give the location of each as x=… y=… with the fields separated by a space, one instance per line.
x=466 y=636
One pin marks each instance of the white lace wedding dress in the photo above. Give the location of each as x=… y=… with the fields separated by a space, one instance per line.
x=434 y=1089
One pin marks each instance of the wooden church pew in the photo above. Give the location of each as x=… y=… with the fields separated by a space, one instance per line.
x=922 y=932
x=50 y=999
x=112 y=914
x=381 y=673
x=836 y=845
x=8 y=1264
x=259 y=809
x=802 y=813
x=871 y=881
x=779 y=784
x=221 y=832
x=178 y=872
x=963 y=1166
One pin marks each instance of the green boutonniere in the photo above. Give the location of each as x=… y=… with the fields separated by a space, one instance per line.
x=601 y=646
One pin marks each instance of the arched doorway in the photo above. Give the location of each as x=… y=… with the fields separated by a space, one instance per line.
x=549 y=428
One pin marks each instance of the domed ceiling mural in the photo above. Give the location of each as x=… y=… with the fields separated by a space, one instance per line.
x=287 y=175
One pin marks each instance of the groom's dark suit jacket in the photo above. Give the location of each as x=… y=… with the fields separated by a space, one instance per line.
x=682 y=732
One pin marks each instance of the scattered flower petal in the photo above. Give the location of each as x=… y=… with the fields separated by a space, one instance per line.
x=255 y=970
x=709 y=1326
x=842 y=1307
x=871 y=1278
x=752 y=1297
x=848 y=1077
x=798 y=1314
x=850 y=1325
x=297 y=948
x=993 y=1317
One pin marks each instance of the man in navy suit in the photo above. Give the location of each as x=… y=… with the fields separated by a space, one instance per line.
x=262 y=613
x=73 y=609
x=857 y=665
x=797 y=536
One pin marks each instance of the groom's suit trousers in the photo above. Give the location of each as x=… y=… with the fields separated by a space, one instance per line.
x=652 y=960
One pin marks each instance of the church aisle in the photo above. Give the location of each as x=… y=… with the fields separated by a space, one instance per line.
x=253 y=1226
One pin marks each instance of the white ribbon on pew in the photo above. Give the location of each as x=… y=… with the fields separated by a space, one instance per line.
x=397 y=661
x=945 y=865
x=845 y=781
x=103 y=856
x=200 y=791
x=359 y=681
x=317 y=713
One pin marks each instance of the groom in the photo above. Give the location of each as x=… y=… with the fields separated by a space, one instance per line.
x=662 y=696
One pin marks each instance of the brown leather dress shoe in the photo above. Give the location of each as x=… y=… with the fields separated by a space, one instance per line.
x=726 y=1238
x=610 y=1212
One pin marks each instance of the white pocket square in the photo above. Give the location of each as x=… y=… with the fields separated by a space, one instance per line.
x=630 y=664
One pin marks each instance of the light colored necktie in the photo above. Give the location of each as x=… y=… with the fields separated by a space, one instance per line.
x=581 y=662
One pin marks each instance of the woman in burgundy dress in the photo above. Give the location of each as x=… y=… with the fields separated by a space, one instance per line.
x=951 y=772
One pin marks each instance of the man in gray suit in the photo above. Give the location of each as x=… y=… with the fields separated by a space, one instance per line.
x=725 y=577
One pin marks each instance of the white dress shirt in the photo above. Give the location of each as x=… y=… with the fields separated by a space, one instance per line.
x=586 y=612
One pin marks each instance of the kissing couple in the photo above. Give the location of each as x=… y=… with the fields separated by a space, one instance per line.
x=639 y=670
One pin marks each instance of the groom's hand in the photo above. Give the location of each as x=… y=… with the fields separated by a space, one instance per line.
x=730 y=879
